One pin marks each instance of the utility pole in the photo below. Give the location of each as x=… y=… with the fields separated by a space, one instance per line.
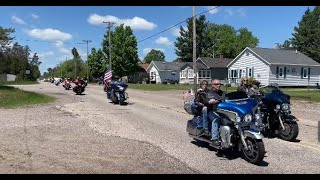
x=87 y=41
x=194 y=49
x=110 y=24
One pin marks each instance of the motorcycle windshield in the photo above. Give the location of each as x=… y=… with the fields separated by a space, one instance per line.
x=277 y=98
x=114 y=85
x=240 y=106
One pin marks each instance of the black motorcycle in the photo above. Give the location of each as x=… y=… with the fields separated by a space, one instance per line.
x=79 y=88
x=276 y=116
x=117 y=92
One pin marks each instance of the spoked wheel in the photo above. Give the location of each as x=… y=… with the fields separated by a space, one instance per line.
x=290 y=132
x=255 y=152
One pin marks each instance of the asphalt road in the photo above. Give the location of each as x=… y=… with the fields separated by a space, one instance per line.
x=146 y=136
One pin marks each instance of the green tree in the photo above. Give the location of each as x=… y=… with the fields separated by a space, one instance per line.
x=306 y=36
x=184 y=42
x=124 y=55
x=154 y=55
x=5 y=37
x=97 y=63
x=79 y=65
x=245 y=39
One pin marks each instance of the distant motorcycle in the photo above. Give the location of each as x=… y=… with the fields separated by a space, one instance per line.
x=67 y=85
x=238 y=131
x=79 y=88
x=276 y=114
x=117 y=93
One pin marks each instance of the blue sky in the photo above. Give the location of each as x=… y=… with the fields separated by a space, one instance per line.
x=53 y=31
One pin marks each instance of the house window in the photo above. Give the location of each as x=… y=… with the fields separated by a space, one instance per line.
x=234 y=73
x=204 y=74
x=280 y=71
x=305 y=73
x=190 y=73
x=249 y=72
x=183 y=73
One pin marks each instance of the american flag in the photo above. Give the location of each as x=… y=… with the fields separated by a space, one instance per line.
x=108 y=75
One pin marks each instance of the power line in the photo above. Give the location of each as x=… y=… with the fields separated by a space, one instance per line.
x=177 y=24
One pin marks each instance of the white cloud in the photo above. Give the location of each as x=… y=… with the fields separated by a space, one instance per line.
x=49 y=34
x=61 y=48
x=237 y=12
x=45 y=54
x=241 y=12
x=135 y=23
x=34 y=16
x=214 y=9
x=163 y=41
x=147 y=50
x=17 y=20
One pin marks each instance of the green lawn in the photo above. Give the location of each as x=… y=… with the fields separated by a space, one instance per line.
x=295 y=93
x=19 y=82
x=11 y=97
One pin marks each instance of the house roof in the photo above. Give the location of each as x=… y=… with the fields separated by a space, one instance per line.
x=216 y=62
x=282 y=56
x=144 y=66
x=168 y=66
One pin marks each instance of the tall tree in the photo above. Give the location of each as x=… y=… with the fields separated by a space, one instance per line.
x=5 y=37
x=97 y=63
x=154 y=55
x=306 y=36
x=245 y=39
x=124 y=55
x=184 y=41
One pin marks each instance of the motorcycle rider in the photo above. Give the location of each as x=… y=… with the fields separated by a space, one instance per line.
x=214 y=95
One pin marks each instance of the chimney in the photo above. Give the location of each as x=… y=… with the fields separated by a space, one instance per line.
x=277 y=46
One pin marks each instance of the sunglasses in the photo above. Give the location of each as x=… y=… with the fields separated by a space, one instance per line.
x=217 y=84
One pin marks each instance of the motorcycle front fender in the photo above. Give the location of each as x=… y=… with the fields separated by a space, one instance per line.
x=252 y=134
x=290 y=118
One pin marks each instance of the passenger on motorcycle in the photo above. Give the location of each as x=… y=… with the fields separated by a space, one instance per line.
x=244 y=85
x=214 y=95
x=200 y=99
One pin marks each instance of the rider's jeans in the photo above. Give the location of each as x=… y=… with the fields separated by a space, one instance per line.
x=215 y=119
x=205 y=117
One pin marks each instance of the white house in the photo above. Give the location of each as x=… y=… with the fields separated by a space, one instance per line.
x=207 y=68
x=267 y=65
x=160 y=71
x=8 y=77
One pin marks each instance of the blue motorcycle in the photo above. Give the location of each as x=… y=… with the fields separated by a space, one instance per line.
x=238 y=127
x=117 y=92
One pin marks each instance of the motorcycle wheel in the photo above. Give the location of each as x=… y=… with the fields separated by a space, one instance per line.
x=255 y=152
x=290 y=132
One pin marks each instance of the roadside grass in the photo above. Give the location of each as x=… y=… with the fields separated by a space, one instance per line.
x=19 y=83
x=311 y=95
x=11 y=97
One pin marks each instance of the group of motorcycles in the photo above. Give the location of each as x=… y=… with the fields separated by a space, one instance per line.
x=245 y=121
x=78 y=88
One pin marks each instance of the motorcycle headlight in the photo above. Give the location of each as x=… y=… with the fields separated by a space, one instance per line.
x=247 y=118
x=120 y=88
x=278 y=106
x=285 y=106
